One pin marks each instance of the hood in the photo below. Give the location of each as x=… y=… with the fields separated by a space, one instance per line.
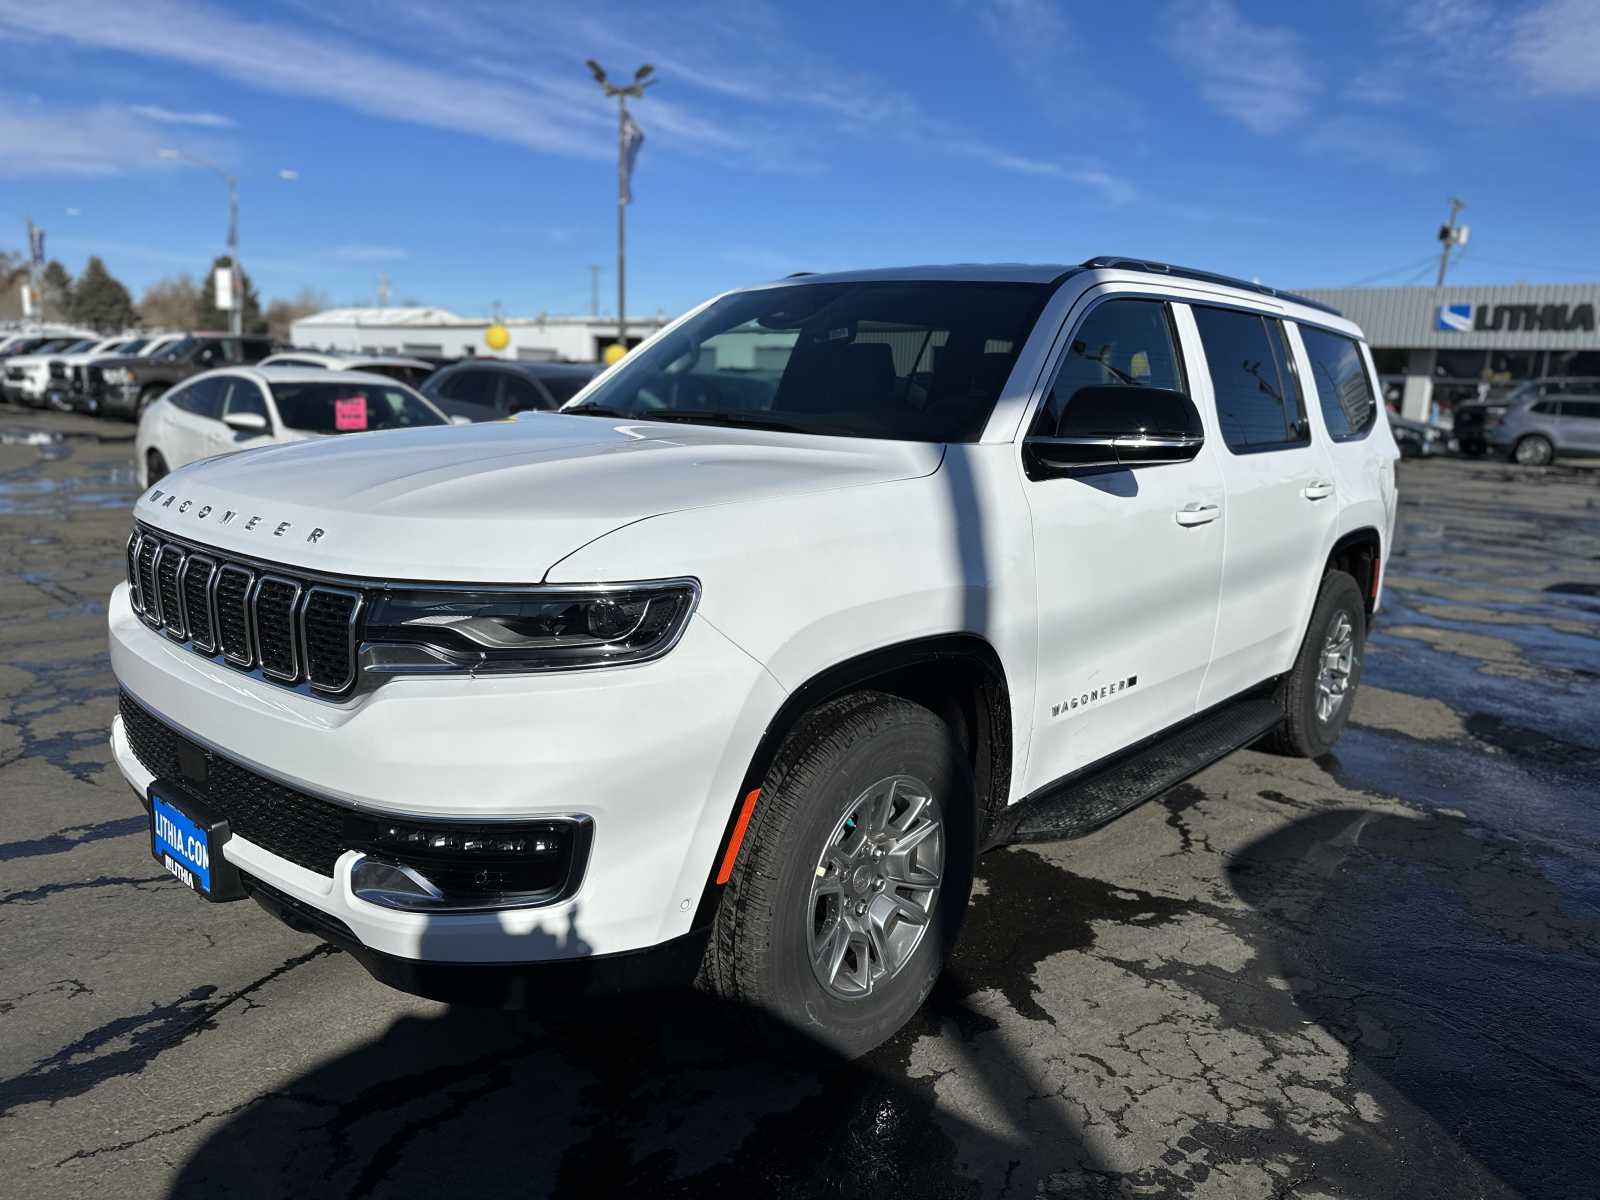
x=496 y=502
x=29 y=361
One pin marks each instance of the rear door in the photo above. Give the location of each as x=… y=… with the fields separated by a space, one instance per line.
x=1580 y=426
x=1282 y=497
x=189 y=419
x=1128 y=561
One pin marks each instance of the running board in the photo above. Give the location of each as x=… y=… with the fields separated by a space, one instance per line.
x=1082 y=803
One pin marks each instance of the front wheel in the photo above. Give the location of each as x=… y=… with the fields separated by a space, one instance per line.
x=1320 y=689
x=146 y=398
x=1534 y=451
x=854 y=876
x=155 y=467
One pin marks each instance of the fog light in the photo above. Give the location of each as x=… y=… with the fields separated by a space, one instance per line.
x=393 y=885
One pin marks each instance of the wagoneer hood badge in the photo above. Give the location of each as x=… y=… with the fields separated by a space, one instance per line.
x=168 y=500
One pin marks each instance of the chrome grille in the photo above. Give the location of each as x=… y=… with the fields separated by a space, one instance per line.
x=58 y=370
x=294 y=631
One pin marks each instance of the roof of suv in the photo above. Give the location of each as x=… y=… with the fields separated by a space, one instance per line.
x=1055 y=272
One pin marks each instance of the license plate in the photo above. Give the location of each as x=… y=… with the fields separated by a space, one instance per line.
x=188 y=843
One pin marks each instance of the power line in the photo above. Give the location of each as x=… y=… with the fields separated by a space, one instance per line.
x=1426 y=260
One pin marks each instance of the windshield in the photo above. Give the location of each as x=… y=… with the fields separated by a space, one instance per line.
x=79 y=347
x=176 y=350
x=129 y=347
x=351 y=407
x=918 y=361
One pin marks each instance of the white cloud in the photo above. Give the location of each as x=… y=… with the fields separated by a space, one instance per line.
x=102 y=139
x=1257 y=74
x=364 y=253
x=166 y=116
x=1557 y=45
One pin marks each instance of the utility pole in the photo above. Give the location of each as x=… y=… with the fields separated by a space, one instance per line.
x=1451 y=235
x=629 y=138
x=35 y=256
x=383 y=289
x=594 y=289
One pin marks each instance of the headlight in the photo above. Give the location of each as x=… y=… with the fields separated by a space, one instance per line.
x=557 y=628
x=117 y=375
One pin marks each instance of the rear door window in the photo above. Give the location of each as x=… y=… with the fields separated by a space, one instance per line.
x=1343 y=389
x=1258 y=397
x=473 y=385
x=1583 y=410
x=522 y=395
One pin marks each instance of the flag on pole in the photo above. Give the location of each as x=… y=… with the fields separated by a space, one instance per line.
x=36 y=244
x=632 y=139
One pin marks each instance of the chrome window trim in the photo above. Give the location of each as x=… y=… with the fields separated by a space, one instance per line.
x=211 y=608
x=249 y=660
x=252 y=607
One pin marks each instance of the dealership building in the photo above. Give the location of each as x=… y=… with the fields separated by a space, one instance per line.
x=1435 y=347
x=438 y=331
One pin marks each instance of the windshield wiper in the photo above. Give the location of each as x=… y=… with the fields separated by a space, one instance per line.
x=713 y=416
x=595 y=410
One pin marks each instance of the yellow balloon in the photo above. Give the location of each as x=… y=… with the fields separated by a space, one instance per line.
x=614 y=353
x=497 y=337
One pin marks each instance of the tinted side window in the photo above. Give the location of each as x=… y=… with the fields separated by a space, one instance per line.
x=522 y=395
x=203 y=398
x=255 y=349
x=1545 y=408
x=1343 y=389
x=563 y=387
x=1126 y=343
x=1258 y=400
x=211 y=352
x=245 y=397
x=471 y=386
x=1584 y=410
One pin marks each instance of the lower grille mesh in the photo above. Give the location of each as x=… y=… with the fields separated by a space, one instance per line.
x=303 y=829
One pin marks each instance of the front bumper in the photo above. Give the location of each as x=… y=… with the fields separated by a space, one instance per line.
x=653 y=754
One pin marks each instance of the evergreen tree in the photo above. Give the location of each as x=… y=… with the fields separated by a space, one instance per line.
x=55 y=286
x=100 y=301
x=213 y=318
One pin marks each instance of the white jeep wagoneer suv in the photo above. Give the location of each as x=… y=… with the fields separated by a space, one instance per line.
x=734 y=665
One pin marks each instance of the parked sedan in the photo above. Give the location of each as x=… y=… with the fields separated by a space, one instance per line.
x=492 y=389
x=1539 y=430
x=410 y=371
x=241 y=408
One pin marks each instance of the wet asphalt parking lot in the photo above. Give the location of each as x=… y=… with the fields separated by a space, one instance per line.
x=1373 y=975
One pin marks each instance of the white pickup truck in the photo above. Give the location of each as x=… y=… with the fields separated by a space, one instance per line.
x=732 y=667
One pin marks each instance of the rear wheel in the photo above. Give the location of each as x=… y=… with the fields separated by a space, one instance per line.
x=1319 y=691
x=854 y=876
x=1534 y=450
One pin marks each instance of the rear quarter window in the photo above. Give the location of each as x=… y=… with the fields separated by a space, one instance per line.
x=1344 y=392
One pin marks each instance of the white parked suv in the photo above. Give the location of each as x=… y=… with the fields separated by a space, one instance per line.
x=242 y=408
x=735 y=664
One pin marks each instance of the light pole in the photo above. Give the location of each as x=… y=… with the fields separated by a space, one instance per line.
x=625 y=142
x=235 y=272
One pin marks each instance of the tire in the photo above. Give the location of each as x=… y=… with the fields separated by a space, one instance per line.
x=840 y=759
x=1534 y=450
x=155 y=467
x=146 y=398
x=1310 y=726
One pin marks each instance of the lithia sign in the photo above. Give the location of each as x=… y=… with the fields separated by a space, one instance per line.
x=1514 y=318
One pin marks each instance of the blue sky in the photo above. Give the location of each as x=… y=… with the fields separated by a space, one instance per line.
x=464 y=150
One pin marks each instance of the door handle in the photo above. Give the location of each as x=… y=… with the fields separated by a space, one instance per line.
x=1198 y=514
x=1319 y=490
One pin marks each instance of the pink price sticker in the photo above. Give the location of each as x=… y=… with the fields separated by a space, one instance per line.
x=350 y=413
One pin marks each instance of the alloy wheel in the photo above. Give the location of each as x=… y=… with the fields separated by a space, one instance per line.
x=876 y=882
x=1336 y=667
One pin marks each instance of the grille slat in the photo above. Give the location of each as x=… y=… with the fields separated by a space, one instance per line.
x=273 y=612
x=293 y=631
x=169 y=562
x=233 y=614
x=195 y=584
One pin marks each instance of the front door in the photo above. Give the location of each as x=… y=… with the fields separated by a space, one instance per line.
x=1128 y=561
x=1282 y=498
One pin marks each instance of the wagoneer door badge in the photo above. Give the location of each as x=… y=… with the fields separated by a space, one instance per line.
x=1084 y=699
x=229 y=515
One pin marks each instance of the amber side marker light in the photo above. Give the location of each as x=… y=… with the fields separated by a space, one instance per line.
x=725 y=871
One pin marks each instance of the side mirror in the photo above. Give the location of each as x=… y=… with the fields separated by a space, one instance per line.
x=246 y=422
x=1120 y=427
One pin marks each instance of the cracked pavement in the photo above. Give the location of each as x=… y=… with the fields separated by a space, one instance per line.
x=1371 y=975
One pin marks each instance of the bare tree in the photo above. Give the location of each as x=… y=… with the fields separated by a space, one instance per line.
x=170 y=303
x=281 y=314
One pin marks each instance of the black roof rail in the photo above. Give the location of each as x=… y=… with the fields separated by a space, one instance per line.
x=1117 y=262
x=798 y=274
